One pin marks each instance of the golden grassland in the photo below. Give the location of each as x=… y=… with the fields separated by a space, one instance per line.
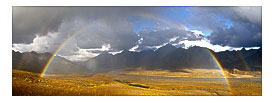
x=200 y=73
x=130 y=84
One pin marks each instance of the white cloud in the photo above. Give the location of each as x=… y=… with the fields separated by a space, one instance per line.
x=85 y=54
x=159 y=46
x=134 y=48
x=104 y=47
x=207 y=44
x=82 y=55
x=156 y=47
x=248 y=48
x=116 y=52
x=173 y=39
x=197 y=32
x=40 y=44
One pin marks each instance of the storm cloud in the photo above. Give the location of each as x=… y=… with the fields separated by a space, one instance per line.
x=30 y=21
x=234 y=26
x=163 y=34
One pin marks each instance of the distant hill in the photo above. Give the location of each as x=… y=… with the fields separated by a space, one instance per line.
x=243 y=59
x=172 y=58
x=35 y=62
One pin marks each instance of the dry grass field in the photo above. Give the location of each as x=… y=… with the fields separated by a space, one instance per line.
x=191 y=82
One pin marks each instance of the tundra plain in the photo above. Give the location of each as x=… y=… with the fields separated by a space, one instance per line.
x=139 y=82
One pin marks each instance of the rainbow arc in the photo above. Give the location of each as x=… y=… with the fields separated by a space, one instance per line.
x=60 y=47
x=221 y=68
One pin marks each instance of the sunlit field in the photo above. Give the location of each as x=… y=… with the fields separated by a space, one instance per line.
x=187 y=82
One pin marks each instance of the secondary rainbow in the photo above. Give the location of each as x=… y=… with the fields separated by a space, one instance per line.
x=244 y=62
x=221 y=68
x=60 y=47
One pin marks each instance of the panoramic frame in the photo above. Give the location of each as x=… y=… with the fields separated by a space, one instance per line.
x=137 y=51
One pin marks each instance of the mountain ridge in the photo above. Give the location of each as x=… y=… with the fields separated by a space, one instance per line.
x=171 y=58
x=36 y=62
x=167 y=57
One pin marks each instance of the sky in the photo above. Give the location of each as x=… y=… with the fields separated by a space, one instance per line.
x=114 y=29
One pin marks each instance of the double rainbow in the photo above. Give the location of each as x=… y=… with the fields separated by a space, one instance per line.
x=221 y=68
x=151 y=16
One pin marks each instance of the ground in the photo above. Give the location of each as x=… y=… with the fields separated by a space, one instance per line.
x=188 y=82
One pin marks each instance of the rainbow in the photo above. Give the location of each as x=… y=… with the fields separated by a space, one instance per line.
x=221 y=68
x=244 y=62
x=171 y=23
x=60 y=47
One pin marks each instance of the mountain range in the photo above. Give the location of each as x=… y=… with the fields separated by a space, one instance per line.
x=167 y=57
x=35 y=62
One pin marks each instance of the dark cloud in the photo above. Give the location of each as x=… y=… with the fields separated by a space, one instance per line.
x=119 y=34
x=30 y=21
x=251 y=14
x=43 y=29
x=163 y=34
x=109 y=25
x=233 y=26
x=240 y=35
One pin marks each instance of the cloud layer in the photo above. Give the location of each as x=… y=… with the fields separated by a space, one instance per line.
x=233 y=26
x=113 y=29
